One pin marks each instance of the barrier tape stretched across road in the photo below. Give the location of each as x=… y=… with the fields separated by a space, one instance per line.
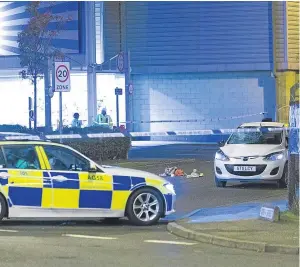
x=196 y=120
x=143 y=134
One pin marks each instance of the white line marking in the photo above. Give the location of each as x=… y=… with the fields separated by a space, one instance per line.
x=91 y=237
x=170 y=242
x=9 y=231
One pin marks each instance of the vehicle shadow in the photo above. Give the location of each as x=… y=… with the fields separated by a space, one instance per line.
x=69 y=223
x=262 y=186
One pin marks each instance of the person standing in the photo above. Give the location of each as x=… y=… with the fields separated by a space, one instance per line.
x=104 y=119
x=76 y=123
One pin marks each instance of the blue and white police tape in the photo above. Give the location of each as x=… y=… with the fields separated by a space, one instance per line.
x=195 y=120
x=144 y=134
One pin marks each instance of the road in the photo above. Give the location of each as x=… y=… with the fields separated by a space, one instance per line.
x=173 y=151
x=79 y=243
x=97 y=244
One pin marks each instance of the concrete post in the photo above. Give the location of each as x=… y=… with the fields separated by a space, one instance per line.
x=91 y=61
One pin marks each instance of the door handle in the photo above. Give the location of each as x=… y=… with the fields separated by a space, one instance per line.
x=60 y=178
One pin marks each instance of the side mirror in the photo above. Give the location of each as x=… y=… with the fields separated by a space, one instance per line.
x=93 y=168
x=222 y=143
x=286 y=142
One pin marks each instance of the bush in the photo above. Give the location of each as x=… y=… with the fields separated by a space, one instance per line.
x=101 y=149
x=16 y=129
x=86 y=130
x=98 y=149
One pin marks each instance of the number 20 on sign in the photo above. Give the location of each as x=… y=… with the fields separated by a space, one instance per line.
x=62 y=77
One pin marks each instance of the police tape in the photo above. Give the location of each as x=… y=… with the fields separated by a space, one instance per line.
x=196 y=120
x=148 y=134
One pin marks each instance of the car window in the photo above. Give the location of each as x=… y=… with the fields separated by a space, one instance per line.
x=2 y=159
x=262 y=137
x=64 y=159
x=21 y=157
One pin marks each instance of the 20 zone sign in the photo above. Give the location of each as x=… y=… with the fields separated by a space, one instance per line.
x=62 y=77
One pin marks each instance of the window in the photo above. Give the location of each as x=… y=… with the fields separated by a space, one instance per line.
x=2 y=159
x=263 y=137
x=63 y=159
x=21 y=157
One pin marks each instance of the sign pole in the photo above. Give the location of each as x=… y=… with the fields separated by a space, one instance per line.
x=60 y=116
x=29 y=109
x=118 y=91
x=117 y=105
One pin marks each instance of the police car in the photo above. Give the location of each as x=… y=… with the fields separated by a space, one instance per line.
x=256 y=152
x=40 y=179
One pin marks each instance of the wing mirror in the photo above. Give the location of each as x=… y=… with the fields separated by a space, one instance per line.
x=286 y=142
x=93 y=168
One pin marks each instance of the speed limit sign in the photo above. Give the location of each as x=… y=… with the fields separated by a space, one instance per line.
x=62 y=77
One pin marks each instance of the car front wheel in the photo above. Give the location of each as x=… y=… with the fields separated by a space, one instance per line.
x=220 y=183
x=145 y=207
x=282 y=183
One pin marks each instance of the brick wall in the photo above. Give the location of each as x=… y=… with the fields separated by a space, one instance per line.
x=200 y=96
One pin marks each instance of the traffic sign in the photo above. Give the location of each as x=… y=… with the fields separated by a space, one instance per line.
x=118 y=91
x=120 y=62
x=31 y=115
x=130 y=88
x=62 y=77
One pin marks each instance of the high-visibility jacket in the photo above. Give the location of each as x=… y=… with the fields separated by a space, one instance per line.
x=103 y=119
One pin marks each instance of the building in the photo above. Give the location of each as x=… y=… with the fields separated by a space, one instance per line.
x=219 y=63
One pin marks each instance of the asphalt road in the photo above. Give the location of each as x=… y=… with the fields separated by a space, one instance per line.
x=173 y=151
x=97 y=244
x=94 y=243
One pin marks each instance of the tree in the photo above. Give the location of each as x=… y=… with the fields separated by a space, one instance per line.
x=36 y=44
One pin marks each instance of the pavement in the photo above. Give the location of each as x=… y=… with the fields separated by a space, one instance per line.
x=255 y=234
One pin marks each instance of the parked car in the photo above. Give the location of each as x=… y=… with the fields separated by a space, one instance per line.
x=257 y=152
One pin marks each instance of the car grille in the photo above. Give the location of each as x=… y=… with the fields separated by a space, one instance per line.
x=259 y=170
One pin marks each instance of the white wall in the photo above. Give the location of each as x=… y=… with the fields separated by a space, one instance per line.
x=211 y=98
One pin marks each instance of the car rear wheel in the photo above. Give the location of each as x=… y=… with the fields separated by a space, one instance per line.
x=145 y=207
x=220 y=183
x=3 y=207
x=282 y=183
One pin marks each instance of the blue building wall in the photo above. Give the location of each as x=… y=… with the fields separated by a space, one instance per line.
x=172 y=37
x=215 y=99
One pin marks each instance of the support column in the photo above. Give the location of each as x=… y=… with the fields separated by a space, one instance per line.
x=91 y=61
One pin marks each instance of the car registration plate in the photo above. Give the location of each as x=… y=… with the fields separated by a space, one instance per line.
x=245 y=168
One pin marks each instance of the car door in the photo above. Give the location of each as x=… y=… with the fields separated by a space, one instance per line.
x=22 y=180
x=74 y=187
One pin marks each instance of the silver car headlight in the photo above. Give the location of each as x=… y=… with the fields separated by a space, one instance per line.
x=221 y=156
x=170 y=187
x=274 y=156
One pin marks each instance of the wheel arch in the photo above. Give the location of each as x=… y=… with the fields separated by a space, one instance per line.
x=150 y=187
x=6 y=204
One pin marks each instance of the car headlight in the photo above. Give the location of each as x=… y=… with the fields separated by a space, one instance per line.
x=170 y=187
x=221 y=156
x=274 y=156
